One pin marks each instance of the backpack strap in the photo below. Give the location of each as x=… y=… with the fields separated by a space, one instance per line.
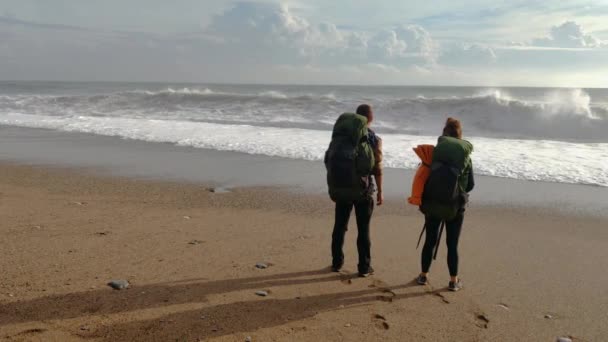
x=439 y=239
x=438 y=164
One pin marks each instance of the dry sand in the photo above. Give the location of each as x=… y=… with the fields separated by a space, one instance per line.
x=190 y=256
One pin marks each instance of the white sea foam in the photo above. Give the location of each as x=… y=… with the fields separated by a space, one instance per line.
x=273 y=94
x=585 y=163
x=568 y=114
x=187 y=91
x=537 y=134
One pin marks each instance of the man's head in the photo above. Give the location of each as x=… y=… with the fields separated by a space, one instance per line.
x=366 y=110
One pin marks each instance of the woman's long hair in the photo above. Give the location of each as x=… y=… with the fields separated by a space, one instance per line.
x=453 y=128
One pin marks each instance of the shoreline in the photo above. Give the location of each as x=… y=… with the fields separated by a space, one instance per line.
x=101 y=155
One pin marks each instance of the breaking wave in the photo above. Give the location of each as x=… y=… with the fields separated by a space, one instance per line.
x=560 y=114
x=537 y=160
x=567 y=114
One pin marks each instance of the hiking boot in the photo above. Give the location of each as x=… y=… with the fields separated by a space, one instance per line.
x=336 y=267
x=455 y=286
x=367 y=273
x=422 y=280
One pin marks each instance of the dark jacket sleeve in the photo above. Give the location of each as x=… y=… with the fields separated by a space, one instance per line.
x=378 y=157
x=471 y=183
x=376 y=143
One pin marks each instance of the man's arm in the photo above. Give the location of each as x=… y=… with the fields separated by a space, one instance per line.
x=471 y=182
x=378 y=171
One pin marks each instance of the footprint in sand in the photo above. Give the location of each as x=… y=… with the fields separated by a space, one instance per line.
x=443 y=299
x=31 y=332
x=380 y=322
x=504 y=306
x=482 y=320
x=346 y=279
x=387 y=295
x=378 y=283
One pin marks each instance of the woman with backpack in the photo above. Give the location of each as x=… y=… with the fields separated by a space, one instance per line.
x=445 y=197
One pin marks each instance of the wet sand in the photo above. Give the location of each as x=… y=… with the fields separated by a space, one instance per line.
x=190 y=255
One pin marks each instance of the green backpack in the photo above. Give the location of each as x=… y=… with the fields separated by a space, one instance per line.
x=444 y=192
x=349 y=160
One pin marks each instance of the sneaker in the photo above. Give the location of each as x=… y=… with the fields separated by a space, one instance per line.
x=369 y=272
x=336 y=268
x=422 y=280
x=455 y=286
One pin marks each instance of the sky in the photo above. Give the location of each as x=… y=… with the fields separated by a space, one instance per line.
x=562 y=43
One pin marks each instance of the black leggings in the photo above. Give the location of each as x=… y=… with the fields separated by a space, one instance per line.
x=452 y=232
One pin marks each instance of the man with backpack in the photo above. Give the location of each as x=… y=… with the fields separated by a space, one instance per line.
x=445 y=197
x=354 y=172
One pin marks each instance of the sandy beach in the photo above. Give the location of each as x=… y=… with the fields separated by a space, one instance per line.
x=190 y=255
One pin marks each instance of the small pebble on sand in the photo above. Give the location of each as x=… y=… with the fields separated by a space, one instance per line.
x=262 y=293
x=261 y=265
x=119 y=284
x=564 y=339
x=218 y=190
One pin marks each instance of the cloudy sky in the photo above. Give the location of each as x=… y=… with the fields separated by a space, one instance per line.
x=466 y=42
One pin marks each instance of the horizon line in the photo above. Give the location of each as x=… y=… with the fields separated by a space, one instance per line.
x=301 y=84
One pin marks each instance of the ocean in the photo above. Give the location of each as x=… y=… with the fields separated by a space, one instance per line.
x=538 y=134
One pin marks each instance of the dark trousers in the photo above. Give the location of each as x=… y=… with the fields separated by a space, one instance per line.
x=452 y=232
x=363 y=212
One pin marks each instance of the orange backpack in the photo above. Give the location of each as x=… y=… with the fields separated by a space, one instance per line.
x=425 y=152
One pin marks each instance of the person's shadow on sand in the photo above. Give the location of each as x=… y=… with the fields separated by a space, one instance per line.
x=223 y=319
x=238 y=317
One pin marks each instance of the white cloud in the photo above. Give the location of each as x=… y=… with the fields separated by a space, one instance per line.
x=269 y=42
x=260 y=26
x=409 y=44
x=468 y=55
x=385 y=45
x=418 y=39
x=568 y=49
x=270 y=32
x=260 y=23
x=569 y=35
